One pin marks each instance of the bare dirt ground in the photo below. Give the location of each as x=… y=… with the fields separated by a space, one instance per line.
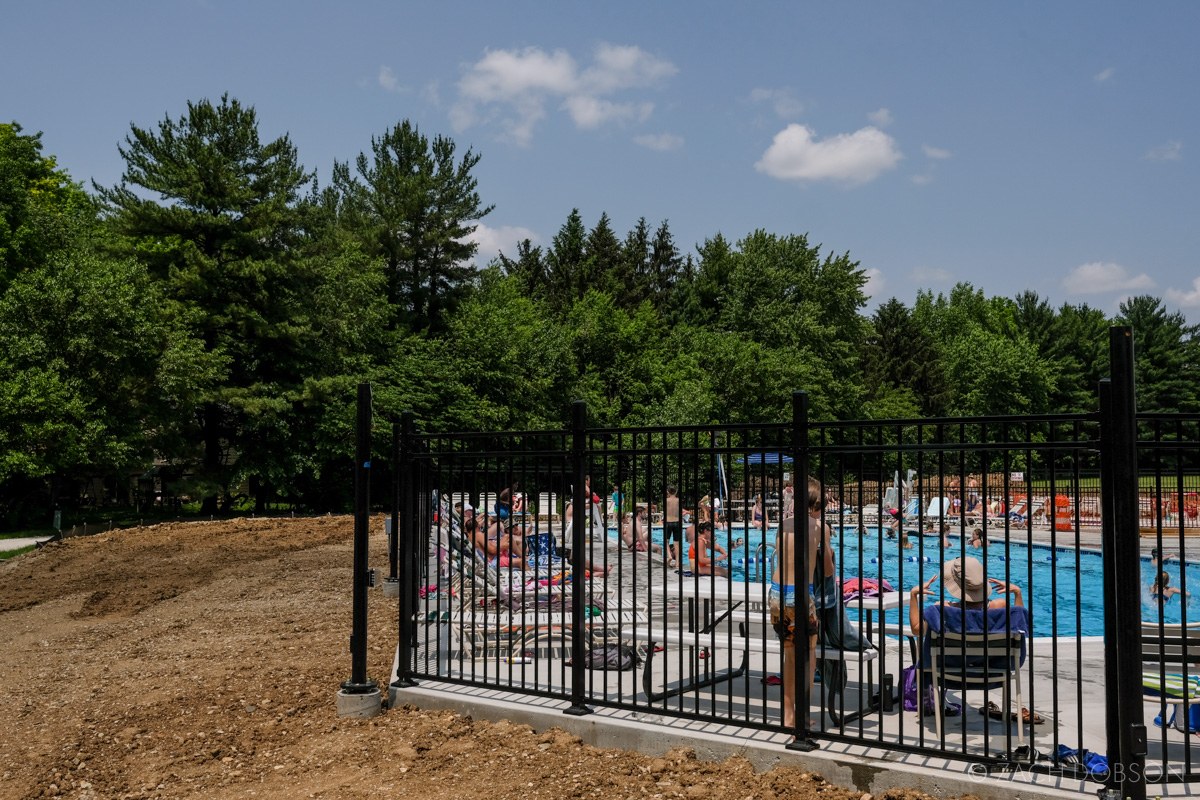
x=201 y=660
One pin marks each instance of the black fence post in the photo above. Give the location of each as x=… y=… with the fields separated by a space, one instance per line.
x=404 y=529
x=1112 y=683
x=1126 y=548
x=359 y=683
x=802 y=576
x=579 y=585
x=394 y=538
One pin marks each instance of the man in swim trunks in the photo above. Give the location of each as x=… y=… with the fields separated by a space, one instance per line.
x=673 y=525
x=782 y=600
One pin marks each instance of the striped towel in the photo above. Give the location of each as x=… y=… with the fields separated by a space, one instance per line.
x=1173 y=687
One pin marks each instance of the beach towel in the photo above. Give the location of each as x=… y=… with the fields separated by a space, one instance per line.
x=854 y=588
x=991 y=620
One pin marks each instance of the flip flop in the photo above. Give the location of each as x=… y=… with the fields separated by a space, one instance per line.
x=1031 y=718
x=772 y=680
x=995 y=712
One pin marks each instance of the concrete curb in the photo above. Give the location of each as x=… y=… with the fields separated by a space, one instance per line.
x=654 y=735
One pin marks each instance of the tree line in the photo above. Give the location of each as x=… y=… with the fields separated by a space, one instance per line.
x=216 y=308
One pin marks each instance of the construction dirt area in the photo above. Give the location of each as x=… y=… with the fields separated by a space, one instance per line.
x=202 y=660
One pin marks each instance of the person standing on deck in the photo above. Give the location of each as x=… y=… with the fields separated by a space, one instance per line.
x=673 y=526
x=782 y=600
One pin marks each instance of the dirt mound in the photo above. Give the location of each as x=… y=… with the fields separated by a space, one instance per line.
x=201 y=659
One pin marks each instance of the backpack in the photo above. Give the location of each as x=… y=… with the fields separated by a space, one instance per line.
x=619 y=657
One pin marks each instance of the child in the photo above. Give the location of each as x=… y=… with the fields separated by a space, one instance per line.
x=698 y=554
x=1161 y=587
x=782 y=599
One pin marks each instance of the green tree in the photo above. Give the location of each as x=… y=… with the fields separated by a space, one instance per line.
x=414 y=206
x=565 y=263
x=604 y=263
x=529 y=269
x=80 y=351
x=220 y=232
x=901 y=365
x=1167 y=355
x=41 y=209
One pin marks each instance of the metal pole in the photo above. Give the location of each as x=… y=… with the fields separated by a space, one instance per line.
x=1128 y=559
x=404 y=540
x=394 y=538
x=802 y=575
x=1112 y=703
x=579 y=586
x=359 y=683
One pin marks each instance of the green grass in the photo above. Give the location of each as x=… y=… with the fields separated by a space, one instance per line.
x=17 y=552
x=29 y=533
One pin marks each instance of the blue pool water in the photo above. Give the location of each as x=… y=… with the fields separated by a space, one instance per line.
x=1061 y=588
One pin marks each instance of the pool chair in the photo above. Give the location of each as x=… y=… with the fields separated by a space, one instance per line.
x=979 y=649
x=1171 y=669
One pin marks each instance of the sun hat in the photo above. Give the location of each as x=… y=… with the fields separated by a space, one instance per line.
x=963 y=578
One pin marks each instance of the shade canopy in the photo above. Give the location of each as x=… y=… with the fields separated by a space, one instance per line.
x=765 y=458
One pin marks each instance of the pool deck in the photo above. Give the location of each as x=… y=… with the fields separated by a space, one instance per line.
x=867 y=760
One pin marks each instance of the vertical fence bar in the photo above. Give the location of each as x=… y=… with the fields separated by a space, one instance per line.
x=579 y=508
x=359 y=683
x=801 y=577
x=405 y=539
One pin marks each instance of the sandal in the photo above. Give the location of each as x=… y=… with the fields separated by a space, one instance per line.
x=995 y=712
x=1031 y=718
x=772 y=680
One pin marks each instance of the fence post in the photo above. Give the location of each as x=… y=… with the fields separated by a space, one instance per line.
x=802 y=575
x=1122 y=600
x=359 y=696
x=405 y=525
x=579 y=585
x=394 y=538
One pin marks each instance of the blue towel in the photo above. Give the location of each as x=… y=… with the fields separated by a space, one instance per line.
x=1015 y=619
x=541 y=552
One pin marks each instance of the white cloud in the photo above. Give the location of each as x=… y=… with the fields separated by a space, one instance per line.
x=387 y=79
x=492 y=240
x=781 y=101
x=1104 y=75
x=512 y=87
x=1170 y=151
x=935 y=152
x=1104 y=276
x=849 y=158
x=592 y=112
x=881 y=118
x=922 y=179
x=430 y=93
x=875 y=282
x=928 y=275
x=1186 y=299
x=659 y=141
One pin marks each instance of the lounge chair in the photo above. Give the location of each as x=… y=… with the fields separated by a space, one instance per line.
x=975 y=649
x=1171 y=669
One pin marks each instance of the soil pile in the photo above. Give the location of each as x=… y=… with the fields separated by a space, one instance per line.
x=201 y=660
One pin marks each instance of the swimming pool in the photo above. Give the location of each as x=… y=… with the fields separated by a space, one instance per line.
x=1060 y=587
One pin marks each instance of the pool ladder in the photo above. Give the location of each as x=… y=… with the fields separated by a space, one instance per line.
x=760 y=560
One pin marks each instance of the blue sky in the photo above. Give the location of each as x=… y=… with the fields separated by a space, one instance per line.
x=1051 y=147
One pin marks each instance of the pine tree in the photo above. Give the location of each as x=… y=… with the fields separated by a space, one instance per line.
x=220 y=235
x=414 y=206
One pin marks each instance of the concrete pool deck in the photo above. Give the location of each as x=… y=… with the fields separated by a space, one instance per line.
x=867 y=761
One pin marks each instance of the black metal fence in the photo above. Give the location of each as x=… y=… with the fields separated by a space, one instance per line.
x=632 y=568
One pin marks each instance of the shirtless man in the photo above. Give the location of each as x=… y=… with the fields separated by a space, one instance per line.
x=636 y=533
x=672 y=525
x=782 y=599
